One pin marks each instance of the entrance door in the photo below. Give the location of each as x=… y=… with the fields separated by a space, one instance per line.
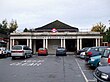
x=70 y=45
x=53 y=45
x=39 y=44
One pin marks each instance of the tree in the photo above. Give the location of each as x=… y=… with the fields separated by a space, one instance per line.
x=4 y=24
x=99 y=27
x=3 y=27
x=6 y=28
x=106 y=36
x=13 y=26
x=0 y=25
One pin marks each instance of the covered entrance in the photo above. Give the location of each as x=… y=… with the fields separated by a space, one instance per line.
x=20 y=42
x=39 y=44
x=71 y=45
x=53 y=44
x=88 y=42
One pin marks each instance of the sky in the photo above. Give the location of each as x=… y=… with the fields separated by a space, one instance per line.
x=31 y=14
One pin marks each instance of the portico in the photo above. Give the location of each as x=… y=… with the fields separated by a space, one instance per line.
x=52 y=40
x=56 y=34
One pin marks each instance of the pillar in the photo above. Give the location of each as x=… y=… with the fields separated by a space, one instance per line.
x=61 y=43
x=96 y=42
x=99 y=41
x=43 y=43
x=80 y=43
x=30 y=45
x=34 y=46
x=47 y=43
x=77 y=43
x=64 y=43
x=27 y=42
x=7 y=45
x=11 y=44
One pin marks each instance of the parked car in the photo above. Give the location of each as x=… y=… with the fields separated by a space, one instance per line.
x=3 y=52
x=21 y=51
x=8 y=52
x=102 y=74
x=61 y=51
x=94 y=51
x=105 y=59
x=42 y=51
x=83 y=53
x=81 y=50
x=94 y=61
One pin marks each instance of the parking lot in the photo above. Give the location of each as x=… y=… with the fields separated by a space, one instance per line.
x=45 y=69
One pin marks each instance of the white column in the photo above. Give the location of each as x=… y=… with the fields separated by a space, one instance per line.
x=96 y=42
x=80 y=43
x=34 y=46
x=30 y=43
x=61 y=43
x=7 y=45
x=99 y=41
x=47 y=43
x=77 y=43
x=43 y=43
x=13 y=42
x=64 y=43
x=27 y=42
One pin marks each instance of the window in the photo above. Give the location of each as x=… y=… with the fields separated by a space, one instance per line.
x=106 y=53
x=17 y=47
x=26 y=48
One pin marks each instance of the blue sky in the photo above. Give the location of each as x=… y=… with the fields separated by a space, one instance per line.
x=82 y=14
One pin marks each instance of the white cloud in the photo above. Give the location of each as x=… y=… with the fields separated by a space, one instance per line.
x=35 y=13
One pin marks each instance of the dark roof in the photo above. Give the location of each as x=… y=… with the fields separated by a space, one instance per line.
x=58 y=25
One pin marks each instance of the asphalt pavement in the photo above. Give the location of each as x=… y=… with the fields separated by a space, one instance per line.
x=45 y=69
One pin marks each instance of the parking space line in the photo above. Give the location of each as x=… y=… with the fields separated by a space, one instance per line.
x=90 y=80
x=81 y=71
x=28 y=63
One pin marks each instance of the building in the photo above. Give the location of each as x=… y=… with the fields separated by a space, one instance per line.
x=4 y=41
x=56 y=34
